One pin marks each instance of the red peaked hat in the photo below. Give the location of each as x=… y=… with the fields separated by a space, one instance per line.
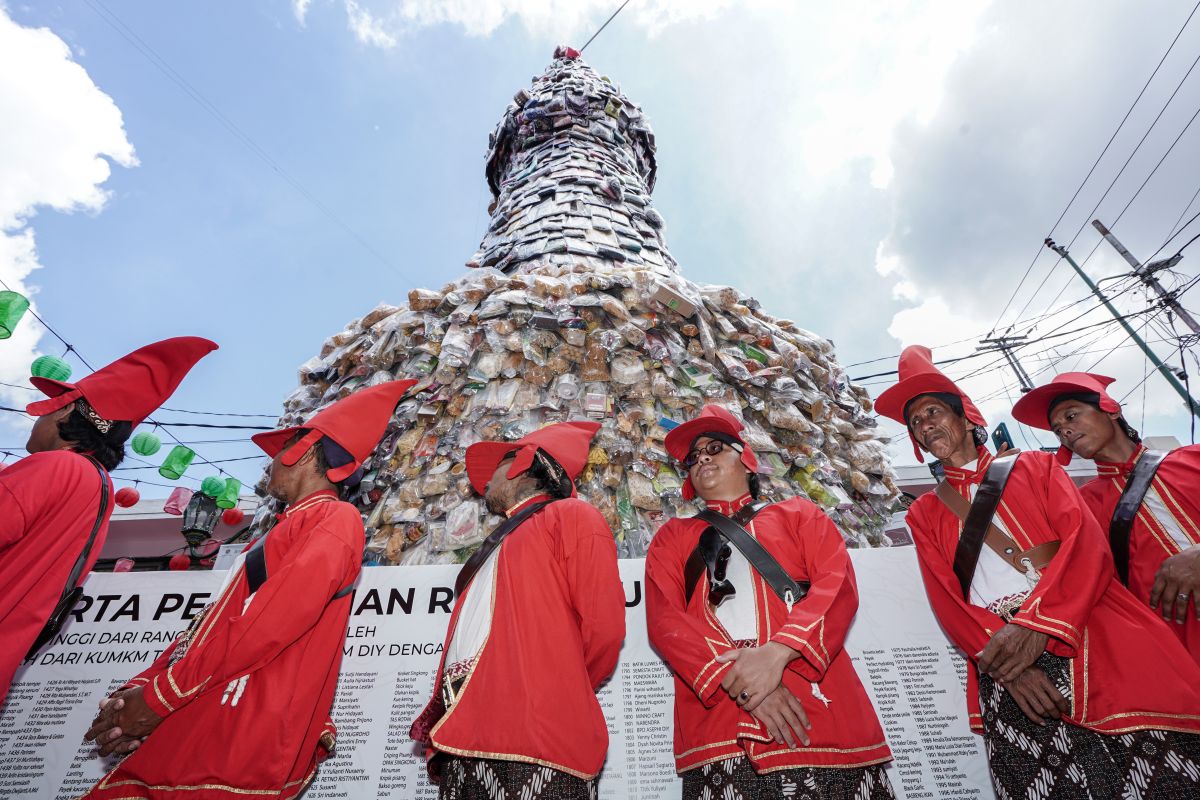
x=712 y=419
x=130 y=388
x=1034 y=408
x=919 y=376
x=566 y=442
x=356 y=423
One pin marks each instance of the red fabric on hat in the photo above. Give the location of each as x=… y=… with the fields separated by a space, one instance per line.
x=919 y=376
x=711 y=419
x=567 y=443
x=357 y=423
x=130 y=388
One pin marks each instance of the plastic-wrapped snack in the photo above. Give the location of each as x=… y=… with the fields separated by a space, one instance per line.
x=463 y=528
x=424 y=299
x=626 y=368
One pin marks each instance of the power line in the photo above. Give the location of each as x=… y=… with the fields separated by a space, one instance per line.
x=1055 y=334
x=1096 y=163
x=605 y=25
x=180 y=411
x=218 y=461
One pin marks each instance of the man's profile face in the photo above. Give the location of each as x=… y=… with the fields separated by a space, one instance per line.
x=937 y=428
x=44 y=435
x=1082 y=428
x=500 y=492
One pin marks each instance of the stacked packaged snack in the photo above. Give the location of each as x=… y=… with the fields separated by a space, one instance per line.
x=575 y=309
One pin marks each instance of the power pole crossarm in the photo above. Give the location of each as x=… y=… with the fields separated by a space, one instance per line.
x=1005 y=345
x=1146 y=275
x=1166 y=372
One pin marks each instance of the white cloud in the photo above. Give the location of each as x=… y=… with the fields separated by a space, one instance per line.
x=383 y=22
x=60 y=133
x=367 y=28
x=300 y=9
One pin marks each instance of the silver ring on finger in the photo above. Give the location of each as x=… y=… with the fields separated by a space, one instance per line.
x=744 y=696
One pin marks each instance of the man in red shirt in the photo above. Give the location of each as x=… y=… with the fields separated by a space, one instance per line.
x=767 y=701
x=537 y=627
x=1078 y=689
x=51 y=500
x=239 y=705
x=1160 y=550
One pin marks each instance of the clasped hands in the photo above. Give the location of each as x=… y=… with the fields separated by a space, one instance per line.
x=123 y=723
x=1008 y=658
x=755 y=682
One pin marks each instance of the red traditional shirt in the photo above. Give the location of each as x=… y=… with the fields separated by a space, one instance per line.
x=48 y=505
x=557 y=623
x=1167 y=523
x=246 y=709
x=710 y=726
x=1115 y=643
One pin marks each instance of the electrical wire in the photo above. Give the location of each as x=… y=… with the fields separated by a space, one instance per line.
x=191 y=91
x=1096 y=163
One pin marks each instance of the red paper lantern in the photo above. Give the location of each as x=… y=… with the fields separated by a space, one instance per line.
x=179 y=561
x=128 y=496
x=233 y=517
x=123 y=565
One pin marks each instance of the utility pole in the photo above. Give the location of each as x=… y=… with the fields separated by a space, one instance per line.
x=1005 y=344
x=1192 y=405
x=1146 y=275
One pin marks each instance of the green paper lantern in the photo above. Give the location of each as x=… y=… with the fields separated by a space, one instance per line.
x=12 y=307
x=51 y=367
x=212 y=486
x=228 y=498
x=177 y=462
x=146 y=443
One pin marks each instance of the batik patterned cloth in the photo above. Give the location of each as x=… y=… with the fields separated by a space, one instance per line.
x=485 y=779
x=1060 y=761
x=735 y=779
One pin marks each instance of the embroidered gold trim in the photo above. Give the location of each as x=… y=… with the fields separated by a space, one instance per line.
x=515 y=757
x=697 y=749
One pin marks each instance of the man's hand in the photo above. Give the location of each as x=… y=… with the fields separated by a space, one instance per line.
x=1037 y=696
x=123 y=723
x=1176 y=584
x=756 y=672
x=1006 y=451
x=784 y=717
x=1011 y=651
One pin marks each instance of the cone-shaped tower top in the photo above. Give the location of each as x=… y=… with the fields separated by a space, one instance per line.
x=571 y=167
x=576 y=311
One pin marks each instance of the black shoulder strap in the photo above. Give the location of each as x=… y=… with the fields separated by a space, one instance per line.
x=1121 y=525
x=759 y=557
x=71 y=591
x=256 y=569
x=983 y=508
x=256 y=565
x=77 y=570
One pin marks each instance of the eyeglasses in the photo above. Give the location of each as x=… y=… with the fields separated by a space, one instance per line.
x=712 y=448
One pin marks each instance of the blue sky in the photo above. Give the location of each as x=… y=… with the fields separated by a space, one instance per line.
x=880 y=176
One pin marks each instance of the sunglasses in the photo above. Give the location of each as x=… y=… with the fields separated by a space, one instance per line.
x=712 y=448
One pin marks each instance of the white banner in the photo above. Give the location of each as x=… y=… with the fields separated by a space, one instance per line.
x=393 y=643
